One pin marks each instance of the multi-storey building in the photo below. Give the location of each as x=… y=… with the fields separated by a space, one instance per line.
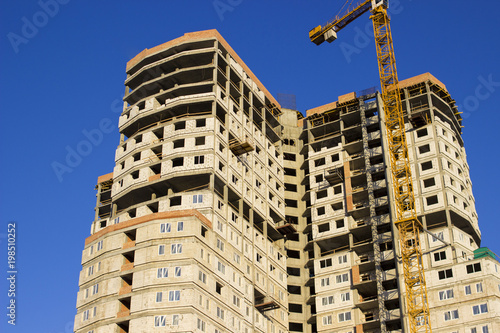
x=188 y=227
x=227 y=213
x=357 y=266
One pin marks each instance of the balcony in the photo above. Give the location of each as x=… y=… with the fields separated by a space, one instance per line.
x=367 y=302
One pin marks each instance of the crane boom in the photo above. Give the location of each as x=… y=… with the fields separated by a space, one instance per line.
x=407 y=223
x=321 y=33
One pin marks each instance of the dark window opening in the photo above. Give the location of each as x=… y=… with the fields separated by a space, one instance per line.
x=429 y=182
x=426 y=165
x=290 y=172
x=199 y=141
x=424 y=149
x=324 y=227
x=201 y=122
x=432 y=200
x=180 y=125
x=176 y=162
x=422 y=132
x=322 y=194
x=179 y=143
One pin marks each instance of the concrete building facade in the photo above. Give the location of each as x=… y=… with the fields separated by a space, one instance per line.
x=227 y=213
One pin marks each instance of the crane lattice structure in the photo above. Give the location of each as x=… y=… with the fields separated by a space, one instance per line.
x=408 y=225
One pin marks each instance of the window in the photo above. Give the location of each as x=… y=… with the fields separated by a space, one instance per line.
x=162 y=272
x=220 y=313
x=344 y=297
x=426 y=165
x=179 y=143
x=199 y=141
x=479 y=287
x=160 y=321
x=198 y=198
x=199 y=159
x=342 y=278
x=177 y=271
x=473 y=268
x=327 y=320
x=174 y=295
x=86 y=315
x=337 y=189
x=91 y=270
x=220 y=244
x=176 y=248
x=325 y=282
x=202 y=277
x=345 y=316
x=445 y=294
x=343 y=259
x=236 y=300
x=327 y=300
x=99 y=245
x=95 y=289
x=445 y=274
x=201 y=325
x=422 y=132
x=440 y=256
x=290 y=172
x=485 y=329
x=161 y=249
x=324 y=227
x=450 y=315
x=159 y=296
x=429 y=182
x=165 y=227
x=236 y=258
x=218 y=289
x=479 y=309
x=319 y=162
x=432 y=200
x=424 y=149
x=439 y=235
x=201 y=122
x=221 y=267
x=180 y=226
x=293 y=188
x=176 y=162
x=325 y=263
x=175 y=320
x=180 y=125
x=468 y=290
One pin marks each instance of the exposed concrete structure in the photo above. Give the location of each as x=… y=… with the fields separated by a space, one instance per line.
x=186 y=235
x=226 y=213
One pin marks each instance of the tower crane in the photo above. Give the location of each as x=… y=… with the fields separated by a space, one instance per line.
x=406 y=221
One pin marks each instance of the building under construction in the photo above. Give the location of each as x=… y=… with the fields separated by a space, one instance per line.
x=227 y=213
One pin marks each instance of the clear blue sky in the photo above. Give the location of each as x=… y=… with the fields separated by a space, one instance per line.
x=69 y=71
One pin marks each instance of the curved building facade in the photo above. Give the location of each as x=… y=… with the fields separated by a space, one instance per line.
x=186 y=236
x=227 y=213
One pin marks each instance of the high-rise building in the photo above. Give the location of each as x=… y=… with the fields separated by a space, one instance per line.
x=228 y=213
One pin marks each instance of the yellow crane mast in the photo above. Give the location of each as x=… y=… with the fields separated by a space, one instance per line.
x=407 y=223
